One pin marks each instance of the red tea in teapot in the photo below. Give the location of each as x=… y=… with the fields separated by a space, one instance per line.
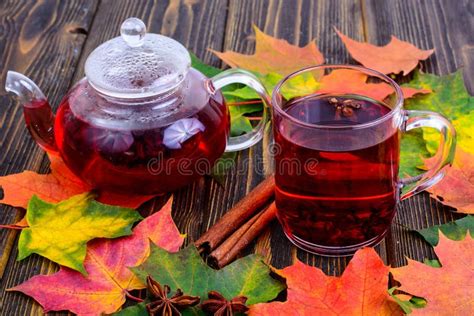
x=142 y=120
x=343 y=198
x=166 y=156
x=39 y=120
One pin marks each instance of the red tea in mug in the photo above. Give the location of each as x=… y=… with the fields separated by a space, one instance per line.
x=337 y=135
x=328 y=195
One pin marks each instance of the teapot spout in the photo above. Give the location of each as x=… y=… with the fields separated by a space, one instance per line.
x=36 y=109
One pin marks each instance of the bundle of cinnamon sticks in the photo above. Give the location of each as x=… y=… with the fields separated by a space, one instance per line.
x=240 y=225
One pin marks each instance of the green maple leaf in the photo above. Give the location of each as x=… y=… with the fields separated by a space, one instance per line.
x=222 y=165
x=407 y=305
x=207 y=70
x=432 y=263
x=412 y=153
x=449 y=98
x=186 y=270
x=135 y=310
x=294 y=87
x=240 y=124
x=455 y=230
x=245 y=93
x=61 y=231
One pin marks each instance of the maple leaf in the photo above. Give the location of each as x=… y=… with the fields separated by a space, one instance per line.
x=455 y=230
x=246 y=93
x=207 y=70
x=222 y=166
x=348 y=81
x=240 y=123
x=61 y=231
x=407 y=302
x=274 y=55
x=412 y=154
x=449 y=98
x=457 y=187
x=56 y=186
x=294 y=87
x=395 y=57
x=134 y=310
x=109 y=280
x=186 y=270
x=361 y=290
x=447 y=289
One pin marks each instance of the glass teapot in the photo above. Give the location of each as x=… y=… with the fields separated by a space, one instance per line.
x=142 y=120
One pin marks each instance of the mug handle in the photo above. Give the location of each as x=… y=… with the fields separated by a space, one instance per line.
x=230 y=76
x=444 y=155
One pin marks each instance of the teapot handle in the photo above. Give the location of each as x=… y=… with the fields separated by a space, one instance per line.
x=241 y=76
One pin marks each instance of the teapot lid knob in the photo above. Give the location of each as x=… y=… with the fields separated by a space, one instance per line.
x=133 y=32
x=137 y=64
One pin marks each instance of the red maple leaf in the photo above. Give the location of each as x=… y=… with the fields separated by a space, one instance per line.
x=448 y=290
x=361 y=290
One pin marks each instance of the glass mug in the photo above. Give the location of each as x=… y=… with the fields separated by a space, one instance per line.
x=337 y=153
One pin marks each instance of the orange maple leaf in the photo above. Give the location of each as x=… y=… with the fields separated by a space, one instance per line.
x=274 y=55
x=457 y=187
x=361 y=290
x=107 y=261
x=57 y=186
x=395 y=57
x=448 y=290
x=348 y=81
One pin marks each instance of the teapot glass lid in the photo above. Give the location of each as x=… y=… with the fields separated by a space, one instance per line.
x=137 y=64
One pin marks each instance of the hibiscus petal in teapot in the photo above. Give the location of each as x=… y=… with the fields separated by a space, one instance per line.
x=142 y=120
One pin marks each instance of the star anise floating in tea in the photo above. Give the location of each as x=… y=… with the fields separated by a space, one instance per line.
x=218 y=305
x=345 y=107
x=162 y=305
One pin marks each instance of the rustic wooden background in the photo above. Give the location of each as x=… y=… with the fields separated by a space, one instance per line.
x=50 y=40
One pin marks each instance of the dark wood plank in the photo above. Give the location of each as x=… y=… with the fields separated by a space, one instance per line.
x=42 y=39
x=298 y=22
x=446 y=26
x=48 y=47
x=197 y=24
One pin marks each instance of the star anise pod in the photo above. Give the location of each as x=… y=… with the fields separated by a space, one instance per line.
x=345 y=107
x=218 y=305
x=162 y=305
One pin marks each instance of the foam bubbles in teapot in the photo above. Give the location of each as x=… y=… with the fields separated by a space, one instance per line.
x=138 y=71
x=136 y=114
x=137 y=64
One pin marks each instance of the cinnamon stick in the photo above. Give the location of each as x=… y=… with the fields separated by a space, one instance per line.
x=237 y=216
x=242 y=237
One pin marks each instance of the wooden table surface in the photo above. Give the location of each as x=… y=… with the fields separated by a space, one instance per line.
x=49 y=41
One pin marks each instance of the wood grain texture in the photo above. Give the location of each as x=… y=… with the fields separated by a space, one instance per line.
x=42 y=39
x=446 y=27
x=50 y=41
